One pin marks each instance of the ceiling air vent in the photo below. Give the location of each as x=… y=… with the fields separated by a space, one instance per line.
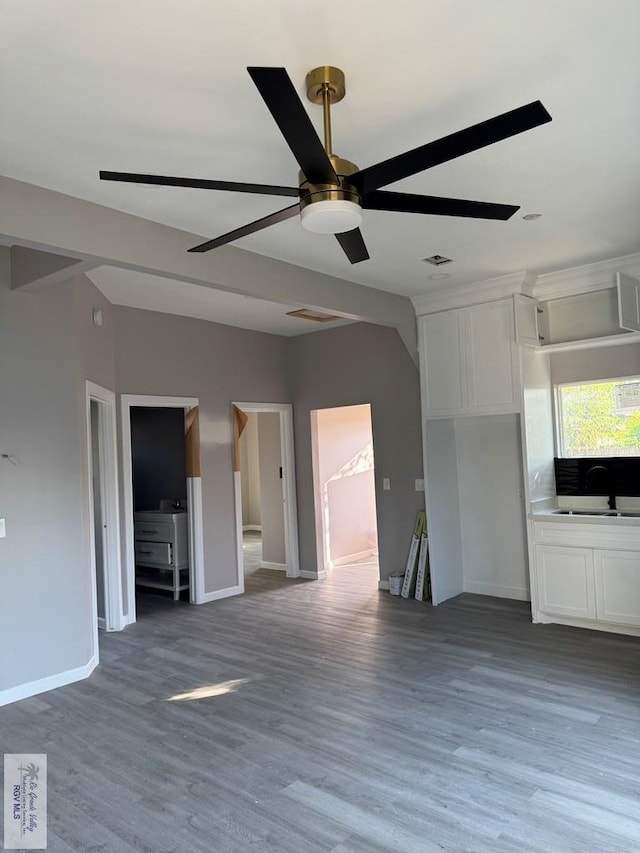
x=437 y=260
x=314 y=316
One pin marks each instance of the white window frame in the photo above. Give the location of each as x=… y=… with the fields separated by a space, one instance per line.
x=557 y=406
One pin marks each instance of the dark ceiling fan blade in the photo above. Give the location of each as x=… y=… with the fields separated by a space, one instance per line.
x=251 y=228
x=281 y=98
x=449 y=147
x=435 y=206
x=197 y=183
x=353 y=246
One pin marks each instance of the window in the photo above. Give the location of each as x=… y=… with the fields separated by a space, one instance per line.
x=599 y=418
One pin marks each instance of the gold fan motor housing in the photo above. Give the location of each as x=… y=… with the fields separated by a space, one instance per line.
x=310 y=193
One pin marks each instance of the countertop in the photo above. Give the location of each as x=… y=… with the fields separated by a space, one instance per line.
x=552 y=514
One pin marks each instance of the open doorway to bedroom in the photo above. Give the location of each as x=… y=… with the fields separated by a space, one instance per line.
x=266 y=520
x=344 y=492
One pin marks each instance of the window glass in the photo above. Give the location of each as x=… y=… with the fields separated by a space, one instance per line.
x=599 y=418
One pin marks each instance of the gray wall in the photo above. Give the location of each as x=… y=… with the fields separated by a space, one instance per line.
x=51 y=346
x=177 y=356
x=348 y=366
x=250 y=473
x=45 y=599
x=271 y=505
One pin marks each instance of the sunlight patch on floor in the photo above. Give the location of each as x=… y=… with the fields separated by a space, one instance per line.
x=207 y=691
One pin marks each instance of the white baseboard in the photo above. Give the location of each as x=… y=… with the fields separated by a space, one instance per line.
x=217 y=594
x=516 y=592
x=102 y=623
x=383 y=585
x=256 y=527
x=278 y=567
x=314 y=576
x=352 y=558
x=51 y=682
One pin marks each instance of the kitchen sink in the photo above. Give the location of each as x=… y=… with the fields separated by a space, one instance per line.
x=611 y=513
x=579 y=512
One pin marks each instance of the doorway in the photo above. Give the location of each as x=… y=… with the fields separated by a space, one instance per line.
x=344 y=491
x=104 y=535
x=162 y=500
x=266 y=521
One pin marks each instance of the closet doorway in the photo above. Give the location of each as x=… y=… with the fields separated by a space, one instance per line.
x=163 y=542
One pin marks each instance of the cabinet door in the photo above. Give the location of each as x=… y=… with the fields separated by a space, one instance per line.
x=442 y=363
x=526 y=316
x=492 y=364
x=565 y=581
x=617 y=577
x=628 y=302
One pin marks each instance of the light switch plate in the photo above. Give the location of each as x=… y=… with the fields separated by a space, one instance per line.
x=419 y=485
x=386 y=484
x=3 y=528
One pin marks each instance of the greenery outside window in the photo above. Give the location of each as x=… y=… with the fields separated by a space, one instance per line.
x=599 y=418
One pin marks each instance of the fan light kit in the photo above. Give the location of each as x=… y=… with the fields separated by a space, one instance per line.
x=332 y=192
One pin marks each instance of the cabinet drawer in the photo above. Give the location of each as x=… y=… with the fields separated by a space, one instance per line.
x=153 y=530
x=154 y=553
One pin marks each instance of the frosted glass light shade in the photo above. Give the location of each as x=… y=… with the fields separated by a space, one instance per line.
x=332 y=216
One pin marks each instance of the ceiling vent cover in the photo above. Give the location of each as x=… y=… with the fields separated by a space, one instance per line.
x=314 y=316
x=437 y=260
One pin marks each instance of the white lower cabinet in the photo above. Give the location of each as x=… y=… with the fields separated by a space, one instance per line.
x=617 y=581
x=601 y=585
x=565 y=581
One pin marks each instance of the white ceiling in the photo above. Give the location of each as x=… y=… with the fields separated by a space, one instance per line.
x=161 y=87
x=156 y=293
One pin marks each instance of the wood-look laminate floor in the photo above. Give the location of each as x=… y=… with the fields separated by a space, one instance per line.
x=310 y=717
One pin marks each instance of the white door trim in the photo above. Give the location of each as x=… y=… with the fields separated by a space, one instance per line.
x=292 y=553
x=108 y=459
x=194 y=498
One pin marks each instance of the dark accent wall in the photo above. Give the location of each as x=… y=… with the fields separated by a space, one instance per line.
x=157 y=456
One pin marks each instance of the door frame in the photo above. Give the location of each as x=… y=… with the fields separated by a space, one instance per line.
x=194 y=499
x=292 y=552
x=114 y=619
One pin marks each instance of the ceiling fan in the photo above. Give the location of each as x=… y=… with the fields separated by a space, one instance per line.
x=333 y=192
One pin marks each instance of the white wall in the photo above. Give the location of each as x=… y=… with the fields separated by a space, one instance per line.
x=492 y=516
x=590 y=365
x=443 y=509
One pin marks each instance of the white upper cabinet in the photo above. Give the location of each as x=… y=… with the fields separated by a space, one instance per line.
x=492 y=357
x=628 y=302
x=469 y=361
x=442 y=363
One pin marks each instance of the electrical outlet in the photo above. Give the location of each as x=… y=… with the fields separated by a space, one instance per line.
x=419 y=485
x=3 y=529
x=386 y=484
